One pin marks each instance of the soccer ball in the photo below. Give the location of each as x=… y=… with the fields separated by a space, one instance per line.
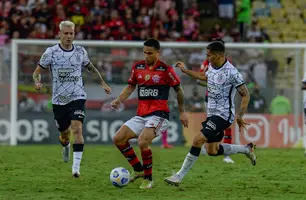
x=119 y=177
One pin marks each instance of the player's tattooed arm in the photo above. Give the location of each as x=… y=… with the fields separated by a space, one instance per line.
x=91 y=68
x=37 y=78
x=244 y=93
x=37 y=75
x=181 y=102
x=180 y=98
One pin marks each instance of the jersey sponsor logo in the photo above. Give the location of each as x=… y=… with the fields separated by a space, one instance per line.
x=148 y=92
x=156 y=78
x=65 y=75
x=172 y=77
x=140 y=67
x=147 y=77
x=160 y=68
x=79 y=112
x=211 y=125
x=64 y=99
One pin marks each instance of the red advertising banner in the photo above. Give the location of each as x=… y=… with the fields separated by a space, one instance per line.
x=264 y=130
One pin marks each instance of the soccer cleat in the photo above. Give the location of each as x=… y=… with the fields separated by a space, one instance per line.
x=76 y=174
x=227 y=159
x=175 y=179
x=167 y=146
x=251 y=155
x=146 y=184
x=136 y=175
x=66 y=153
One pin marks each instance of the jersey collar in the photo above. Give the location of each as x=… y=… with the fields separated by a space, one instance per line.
x=151 y=68
x=65 y=49
x=221 y=65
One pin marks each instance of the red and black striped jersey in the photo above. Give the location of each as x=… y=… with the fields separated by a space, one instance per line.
x=153 y=87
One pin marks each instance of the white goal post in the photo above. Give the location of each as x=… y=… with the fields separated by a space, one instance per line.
x=298 y=48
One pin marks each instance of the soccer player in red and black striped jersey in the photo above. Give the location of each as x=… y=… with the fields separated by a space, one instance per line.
x=153 y=79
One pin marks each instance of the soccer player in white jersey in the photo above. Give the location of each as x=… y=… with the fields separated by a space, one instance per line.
x=66 y=62
x=223 y=79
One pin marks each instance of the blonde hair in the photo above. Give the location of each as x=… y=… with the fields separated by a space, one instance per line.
x=66 y=24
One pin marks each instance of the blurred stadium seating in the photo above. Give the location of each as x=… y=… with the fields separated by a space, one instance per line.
x=167 y=20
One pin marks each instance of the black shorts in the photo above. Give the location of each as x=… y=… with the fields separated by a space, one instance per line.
x=63 y=114
x=213 y=128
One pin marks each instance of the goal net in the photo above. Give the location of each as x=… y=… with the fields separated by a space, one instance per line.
x=273 y=69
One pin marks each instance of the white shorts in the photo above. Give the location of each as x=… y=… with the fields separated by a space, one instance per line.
x=137 y=124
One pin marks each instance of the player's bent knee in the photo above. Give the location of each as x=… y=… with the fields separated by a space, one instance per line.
x=123 y=135
x=215 y=151
x=212 y=152
x=199 y=140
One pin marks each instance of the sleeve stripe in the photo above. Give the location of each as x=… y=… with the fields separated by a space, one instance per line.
x=42 y=66
x=239 y=85
x=87 y=64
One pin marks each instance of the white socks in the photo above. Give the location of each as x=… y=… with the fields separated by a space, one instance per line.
x=187 y=165
x=234 y=149
x=77 y=157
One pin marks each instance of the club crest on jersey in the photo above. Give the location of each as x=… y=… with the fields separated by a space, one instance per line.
x=78 y=57
x=221 y=78
x=156 y=78
x=147 y=77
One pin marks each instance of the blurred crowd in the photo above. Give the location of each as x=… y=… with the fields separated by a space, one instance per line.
x=138 y=20
x=169 y=20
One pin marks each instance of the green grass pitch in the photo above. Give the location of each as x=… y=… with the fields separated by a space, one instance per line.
x=38 y=173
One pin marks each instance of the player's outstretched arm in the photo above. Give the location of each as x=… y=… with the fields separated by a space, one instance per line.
x=197 y=75
x=126 y=92
x=91 y=68
x=37 y=78
x=244 y=93
x=181 y=103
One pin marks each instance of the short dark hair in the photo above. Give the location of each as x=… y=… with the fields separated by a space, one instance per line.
x=216 y=47
x=152 y=43
x=218 y=39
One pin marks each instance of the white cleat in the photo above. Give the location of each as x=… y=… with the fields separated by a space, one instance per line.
x=175 y=179
x=66 y=153
x=252 y=155
x=227 y=159
x=146 y=184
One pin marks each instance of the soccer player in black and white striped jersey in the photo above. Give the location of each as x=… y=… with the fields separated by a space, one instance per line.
x=66 y=62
